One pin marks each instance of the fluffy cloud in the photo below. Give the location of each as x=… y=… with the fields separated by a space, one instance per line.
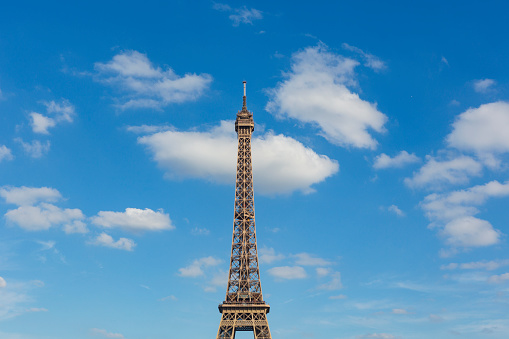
x=436 y=174
x=482 y=130
x=106 y=240
x=29 y=195
x=240 y=15
x=147 y=86
x=453 y=213
x=402 y=159
x=43 y=216
x=483 y=85
x=268 y=255
x=60 y=112
x=105 y=334
x=315 y=91
x=35 y=211
x=36 y=149
x=370 y=60
x=197 y=266
x=2 y=282
x=399 y=311
x=134 y=219
x=281 y=164
x=5 y=153
x=288 y=272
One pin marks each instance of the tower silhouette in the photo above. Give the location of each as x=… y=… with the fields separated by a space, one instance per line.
x=244 y=308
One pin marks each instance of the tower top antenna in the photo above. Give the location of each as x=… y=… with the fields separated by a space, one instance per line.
x=244 y=82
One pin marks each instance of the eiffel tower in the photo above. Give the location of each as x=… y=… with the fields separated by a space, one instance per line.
x=244 y=308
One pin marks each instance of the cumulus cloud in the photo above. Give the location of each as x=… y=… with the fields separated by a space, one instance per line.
x=482 y=130
x=134 y=219
x=483 y=85
x=36 y=211
x=36 y=149
x=2 y=282
x=29 y=195
x=107 y=240
x=315 y=92
x=105 y=334
x=383 y=161
x=5 y=153
x=437 y=174
x=146 y=86
x=453 y=213
x=197 y=266
x=242 y=15
x=56 y=112
x=281 y=164
x=43 y=216
x=268 y=255
x=370 y=60
x=399 y=311
x=288 y=272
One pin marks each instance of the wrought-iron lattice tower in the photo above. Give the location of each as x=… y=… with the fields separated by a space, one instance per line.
x=244 y=308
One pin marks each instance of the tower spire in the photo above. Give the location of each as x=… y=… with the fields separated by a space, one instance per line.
x=244 y=107
x=243 y=308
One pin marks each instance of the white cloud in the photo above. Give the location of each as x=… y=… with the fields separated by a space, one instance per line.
x=402 y=159
x=5 y=153
x=395 y=209
x=268 y=255
x=147 y=86
x=399 y=311
x=41 y=123
x=105 y=334
x=36 y=149
x=76 y=226
x=333 y=284
x=134 y=219
x=482 y=130
x=241 y=15
x=106 y=240
x=62 y=111
x=219 y=279
x=370 y=60
x=281 y=164
x=453 y=213
x=196 y=268
x=497 y=279
x=2 y=282
x=43 y=216
x=37 y=309
x=170 y=297
x=435 y=174
x=288 y=272
x=306 y=259
x=322 y=271
x=477 y=265
x=315 y=92
x=435 y=318
x=29 y=195
x=483 y=85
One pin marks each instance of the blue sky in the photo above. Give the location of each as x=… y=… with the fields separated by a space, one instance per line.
x=380 y=167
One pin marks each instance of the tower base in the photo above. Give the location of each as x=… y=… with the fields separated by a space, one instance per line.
x=244 y=317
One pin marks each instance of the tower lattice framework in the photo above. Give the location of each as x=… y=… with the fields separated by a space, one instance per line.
x=244 y=308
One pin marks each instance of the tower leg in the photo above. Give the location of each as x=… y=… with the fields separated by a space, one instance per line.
x=232 y=322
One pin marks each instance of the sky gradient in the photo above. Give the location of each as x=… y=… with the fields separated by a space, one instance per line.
x=380 y=164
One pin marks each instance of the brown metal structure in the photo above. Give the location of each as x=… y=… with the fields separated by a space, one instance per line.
x=244 y=308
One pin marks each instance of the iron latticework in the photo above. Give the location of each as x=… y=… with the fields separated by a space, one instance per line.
x=244 y=308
